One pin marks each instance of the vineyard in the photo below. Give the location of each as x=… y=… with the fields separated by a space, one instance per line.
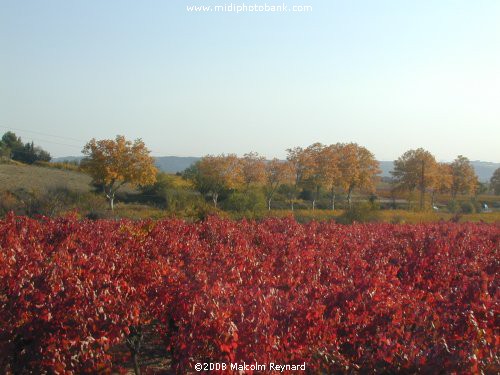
x=342 y=299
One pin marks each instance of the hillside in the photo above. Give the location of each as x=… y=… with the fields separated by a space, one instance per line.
x=15 y=176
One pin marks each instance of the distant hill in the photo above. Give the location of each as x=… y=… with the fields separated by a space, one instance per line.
x=174 y=164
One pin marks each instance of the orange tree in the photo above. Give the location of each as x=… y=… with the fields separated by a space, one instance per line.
x=113 y=163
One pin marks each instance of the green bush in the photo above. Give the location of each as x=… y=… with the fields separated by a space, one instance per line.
x=360 y=212
x=467 y=208
x=453 y=206
x=252 y=201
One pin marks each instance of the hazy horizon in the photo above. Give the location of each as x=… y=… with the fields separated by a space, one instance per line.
x=388 y=75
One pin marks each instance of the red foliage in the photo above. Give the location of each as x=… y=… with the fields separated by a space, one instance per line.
x=394 y=298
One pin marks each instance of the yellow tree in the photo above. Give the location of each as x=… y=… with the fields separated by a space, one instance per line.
x=214 y=174
x=277 y=172
x=113 y=163
x=253 y=169
x=442 y=180
x=464 y=179
x=314 y=169
x=415 y=169
x=330 y=170
x=296 y=157
x=358 y=168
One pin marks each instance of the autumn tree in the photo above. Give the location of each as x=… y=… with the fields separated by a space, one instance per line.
x=314 y=169
x=113 y=163
x=442 y=180
x=252 y=169
x=358 y=168
x=415 y=169
x=495 y=182
x=464 y=179
x=277 y=172
x=330 y=160
x=214 y=174
x=298 y=164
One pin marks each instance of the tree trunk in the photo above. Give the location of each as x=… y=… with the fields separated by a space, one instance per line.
x=332 y=200
x=349 y=196
x=111 y=199
x=135 y=359
x=422 y=186
x=316 y=197
x=269 y=204
x=215 y=197
x=134 y=342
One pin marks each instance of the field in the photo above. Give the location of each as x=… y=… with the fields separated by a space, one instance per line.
x=358 y=298
x=21 y=176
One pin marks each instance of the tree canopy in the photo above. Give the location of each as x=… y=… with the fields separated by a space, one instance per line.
x=113 y=163
x=12 y=147
x=495 y=181
x=415 y=169
x=464 y=179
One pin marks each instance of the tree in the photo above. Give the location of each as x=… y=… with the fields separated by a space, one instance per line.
x=495 y=181
x=12 y=147
x=330 y=160
x=442 y=180
x=214 y=174
x=358 y=168
x=113 y=163
x=314 y=169
x=252 y=169
x=464 y=179
x=415 y=169
x=277 y=173
x=298 y=164
x=31 y=154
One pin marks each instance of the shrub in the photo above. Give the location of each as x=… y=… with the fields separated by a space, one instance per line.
x=361 y=213
x=467 y=208
x=364 y=298
x=453 y=206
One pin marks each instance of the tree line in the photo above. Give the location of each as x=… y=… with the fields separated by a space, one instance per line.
x=319 y=170
x=419 y=170
x=335 y=169
x=341 y=168
x=13 y=148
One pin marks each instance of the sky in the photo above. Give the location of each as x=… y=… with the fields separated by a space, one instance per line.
x=390 y=75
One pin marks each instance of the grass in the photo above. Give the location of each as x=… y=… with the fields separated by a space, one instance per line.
x=15 y=176
x=42 y=178
x=389 y=216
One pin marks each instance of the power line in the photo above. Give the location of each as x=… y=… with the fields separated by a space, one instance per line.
x=40 y=133
x=52 y=135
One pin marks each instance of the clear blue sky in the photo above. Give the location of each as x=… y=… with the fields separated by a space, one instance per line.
x=388 y=74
